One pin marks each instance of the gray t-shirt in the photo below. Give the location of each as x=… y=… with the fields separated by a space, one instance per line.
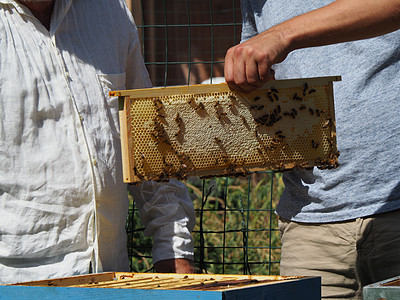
x=367 y=119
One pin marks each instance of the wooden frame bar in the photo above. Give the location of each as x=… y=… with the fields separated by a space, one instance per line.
x=210 y=130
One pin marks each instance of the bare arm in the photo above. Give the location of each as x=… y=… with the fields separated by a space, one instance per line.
x=176 y=265
x=248 y=65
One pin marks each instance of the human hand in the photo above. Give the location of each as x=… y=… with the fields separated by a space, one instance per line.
x=177 y=265
x=248 y=65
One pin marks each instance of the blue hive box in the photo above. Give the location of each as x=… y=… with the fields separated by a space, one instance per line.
x=117 y=285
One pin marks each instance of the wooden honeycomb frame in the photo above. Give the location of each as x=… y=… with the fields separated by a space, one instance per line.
x=162 y=281
x=210 y=130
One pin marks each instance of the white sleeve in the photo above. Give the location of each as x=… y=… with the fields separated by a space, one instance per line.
x=166 y=209
x=167 y=213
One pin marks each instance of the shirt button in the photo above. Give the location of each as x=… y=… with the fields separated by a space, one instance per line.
x=94 y=162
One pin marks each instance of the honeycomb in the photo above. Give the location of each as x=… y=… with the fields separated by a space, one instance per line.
x=210 y=130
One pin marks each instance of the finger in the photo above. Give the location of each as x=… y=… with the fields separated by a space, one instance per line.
x=252 y=74
x=235 y=70
x=241 y=72
x=272 y=73
x=228 y=67
x=265 y=72
x=229 y=72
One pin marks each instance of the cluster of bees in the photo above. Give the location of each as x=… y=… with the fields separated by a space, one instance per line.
x=276 y=114
x=168 y=170
x=161 y=136
x=261 y=117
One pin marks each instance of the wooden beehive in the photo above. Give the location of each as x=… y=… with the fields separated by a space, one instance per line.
x=114 y=285
x=210 y=130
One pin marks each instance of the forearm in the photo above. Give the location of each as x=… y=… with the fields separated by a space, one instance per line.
x=248 y=65
x=341 y=21
x=167 y=212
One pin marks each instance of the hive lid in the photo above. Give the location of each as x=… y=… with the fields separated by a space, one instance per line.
x=210 y=130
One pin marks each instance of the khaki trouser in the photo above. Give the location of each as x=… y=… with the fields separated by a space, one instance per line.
x=347 y=255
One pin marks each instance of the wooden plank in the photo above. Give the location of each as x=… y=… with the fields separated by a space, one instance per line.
x=94 y=280
x=72 y=280
x=126 y=161
x=219 y=88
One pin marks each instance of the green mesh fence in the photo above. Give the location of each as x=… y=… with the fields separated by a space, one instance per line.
x=184 y=42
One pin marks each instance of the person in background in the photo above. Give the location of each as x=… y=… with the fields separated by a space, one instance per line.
x=63 y=203
x=341 y=224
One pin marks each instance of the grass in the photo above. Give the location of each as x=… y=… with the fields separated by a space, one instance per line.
x=236 y=227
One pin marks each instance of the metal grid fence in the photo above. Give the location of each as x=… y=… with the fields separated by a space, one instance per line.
x=184 y=42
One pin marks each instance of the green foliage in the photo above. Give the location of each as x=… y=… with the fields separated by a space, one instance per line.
x=236 y=227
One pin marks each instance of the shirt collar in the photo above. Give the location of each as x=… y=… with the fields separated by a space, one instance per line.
x=61 y=7
x=21 y=9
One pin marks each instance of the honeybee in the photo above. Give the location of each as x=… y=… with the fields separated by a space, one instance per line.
x=158 y=103
x=190 y=101
x=314 y=144
x=326 y=123
x=233 y=98
x=200 y=106
x=178 y=120
x=296 y=97
x=220 y=114
x=217 y=140
x=305 y=88
x=178 y=133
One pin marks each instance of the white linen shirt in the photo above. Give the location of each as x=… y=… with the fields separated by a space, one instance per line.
x=63 y=203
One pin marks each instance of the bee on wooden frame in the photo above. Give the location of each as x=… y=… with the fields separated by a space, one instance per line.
x=191 y=101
